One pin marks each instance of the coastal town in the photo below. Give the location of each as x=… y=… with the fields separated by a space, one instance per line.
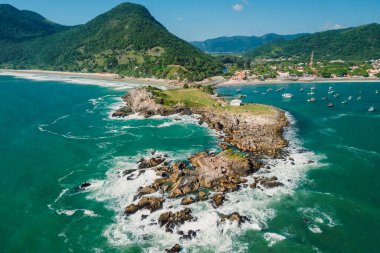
x=287 y=69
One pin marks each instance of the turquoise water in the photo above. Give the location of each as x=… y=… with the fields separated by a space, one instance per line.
x=55 y=136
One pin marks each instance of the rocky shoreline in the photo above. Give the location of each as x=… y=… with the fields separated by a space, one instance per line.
x=246 y=140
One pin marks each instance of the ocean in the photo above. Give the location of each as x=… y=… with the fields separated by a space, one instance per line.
x=57 y=133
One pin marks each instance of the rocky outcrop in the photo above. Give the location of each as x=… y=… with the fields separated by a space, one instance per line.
x=142 y=102
x=261 y=134
x=151 y=203
x=170 y=220
x=268 y=182
x=217 y=200
x=150 y=163
x=234 y=217
x=251 y=136
x=175 y=249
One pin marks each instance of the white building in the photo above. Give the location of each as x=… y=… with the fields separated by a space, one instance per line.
x=235 y=102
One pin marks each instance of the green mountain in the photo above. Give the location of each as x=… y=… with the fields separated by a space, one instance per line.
x=18 y=25
x=358 y=43
x=241 y=44
x=126 y=40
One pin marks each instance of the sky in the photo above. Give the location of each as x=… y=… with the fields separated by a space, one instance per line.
x=204 y=19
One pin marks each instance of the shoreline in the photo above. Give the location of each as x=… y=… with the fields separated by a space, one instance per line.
x=170 y=84
x=340 y=80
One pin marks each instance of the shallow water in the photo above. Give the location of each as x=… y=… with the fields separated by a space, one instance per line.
x=55 y=136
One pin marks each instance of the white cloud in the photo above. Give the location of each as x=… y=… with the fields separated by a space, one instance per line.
x=238 y=7
x=331 y=26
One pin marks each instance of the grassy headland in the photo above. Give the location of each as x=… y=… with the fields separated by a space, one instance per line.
x=201 y=98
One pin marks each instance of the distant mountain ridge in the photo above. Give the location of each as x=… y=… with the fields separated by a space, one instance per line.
x=126 y=40
x=241 y=44
x=357 y=43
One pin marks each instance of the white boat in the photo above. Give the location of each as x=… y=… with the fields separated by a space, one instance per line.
x=287 y=95
x=302 y=89
x=376 y=91
x=331 y=92
x=330 y=105
x=350 y=98
x=372 y=109
x=344 y=102
x=359 y=98
x=312 y=100
x=313 y=88
x=311 y=93
x=256 y=91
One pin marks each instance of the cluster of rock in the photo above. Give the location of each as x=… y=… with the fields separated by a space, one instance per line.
x=205 y=172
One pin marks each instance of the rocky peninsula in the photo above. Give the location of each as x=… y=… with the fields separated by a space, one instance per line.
x=248 y=133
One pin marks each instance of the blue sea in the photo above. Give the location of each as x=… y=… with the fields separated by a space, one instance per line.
x=57 y=133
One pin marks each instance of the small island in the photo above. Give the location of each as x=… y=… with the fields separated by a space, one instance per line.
x=248 y=133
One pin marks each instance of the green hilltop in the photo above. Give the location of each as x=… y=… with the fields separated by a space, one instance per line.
x=356 y=44
x=126 y=40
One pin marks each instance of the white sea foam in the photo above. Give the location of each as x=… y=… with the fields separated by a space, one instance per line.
x=117 y=192
x=315 y=229
x=273 y=238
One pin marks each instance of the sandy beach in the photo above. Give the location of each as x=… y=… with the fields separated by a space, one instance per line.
x=96 y=76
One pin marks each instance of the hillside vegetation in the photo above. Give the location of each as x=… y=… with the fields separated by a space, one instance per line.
x=241 y=44
x=126 y=40
x=359 y=43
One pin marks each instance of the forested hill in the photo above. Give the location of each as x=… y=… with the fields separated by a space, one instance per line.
x=241 y=44
x=358 y=43
x=126 y=40
x=16 y=24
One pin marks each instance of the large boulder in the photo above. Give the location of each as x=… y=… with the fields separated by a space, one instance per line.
x=234 y=217
x=170 y=220
x=151 y=203
x=131 y=209
x=217 y=200
x=150 y=163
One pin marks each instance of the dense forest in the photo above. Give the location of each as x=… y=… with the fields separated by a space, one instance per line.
x=241 y=44
x=126 y=40
x=359 y=43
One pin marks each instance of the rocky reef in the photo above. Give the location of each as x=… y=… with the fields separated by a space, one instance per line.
x=246 y=139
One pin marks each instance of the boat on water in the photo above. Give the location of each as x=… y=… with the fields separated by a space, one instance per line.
x=312 y=100
x=311 y=93
x=302 y=89
x=238 y=90
x=350 y=98
x=287 y=95
x=242 y=96
x=256 y=91
x=324 y=98
x=313 y=88
x=344 y=102
x=331 y=92
x=336 y=95
x=330 y=105
x=372 y=109
x=377 y=91
x=263 y=93
x=269 y=90
x=359 y=98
